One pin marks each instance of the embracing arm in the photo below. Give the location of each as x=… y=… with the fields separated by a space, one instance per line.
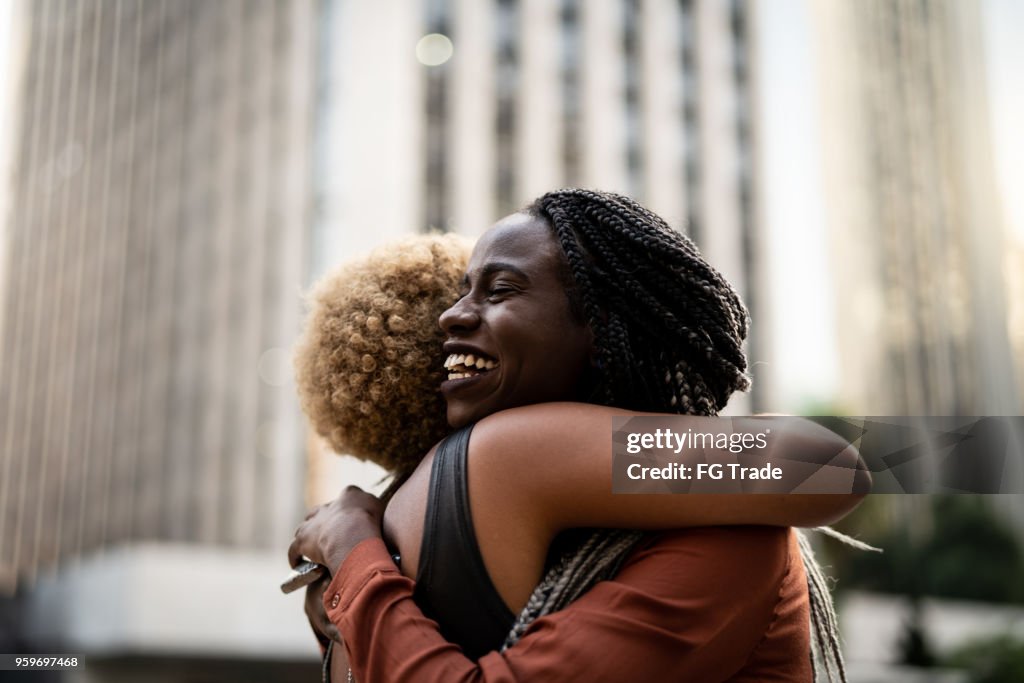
x=687 y=608
x=529 y=458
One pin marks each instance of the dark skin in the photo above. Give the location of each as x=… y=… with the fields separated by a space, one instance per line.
x=514 y=309
x=524 y=457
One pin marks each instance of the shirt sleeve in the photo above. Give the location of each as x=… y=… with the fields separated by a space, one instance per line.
x=689 y=604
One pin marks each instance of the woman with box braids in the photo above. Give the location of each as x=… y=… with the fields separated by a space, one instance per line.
x=659 y=311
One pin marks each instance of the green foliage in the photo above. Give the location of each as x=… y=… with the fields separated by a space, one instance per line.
x=971 y=553
x=963 y=551
x=994 y=660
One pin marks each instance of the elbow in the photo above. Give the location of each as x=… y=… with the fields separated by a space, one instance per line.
x=842 y=480
x=849 y=487
x=846 y=471
x=855 y=469
x=860 y=481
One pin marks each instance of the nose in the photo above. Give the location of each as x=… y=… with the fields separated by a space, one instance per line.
x=461 y=317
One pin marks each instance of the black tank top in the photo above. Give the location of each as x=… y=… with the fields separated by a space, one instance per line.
x=452 y=584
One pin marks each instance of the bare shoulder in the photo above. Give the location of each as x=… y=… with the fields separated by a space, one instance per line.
x=546 y=427
x=543 y=412
x=403 y=517
x=524 y=460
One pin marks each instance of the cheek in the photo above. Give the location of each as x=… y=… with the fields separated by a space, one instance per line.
x=567 y=354
x=541 y=353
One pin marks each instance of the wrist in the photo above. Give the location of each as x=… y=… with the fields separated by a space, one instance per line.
x=341 y=548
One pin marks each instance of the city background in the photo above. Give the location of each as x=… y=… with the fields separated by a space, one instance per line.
x=175 y=173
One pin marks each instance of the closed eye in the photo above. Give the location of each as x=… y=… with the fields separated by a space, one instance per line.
x=501 y=289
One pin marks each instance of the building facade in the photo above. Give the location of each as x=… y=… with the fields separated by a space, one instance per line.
x=915 y=222
x=155 y=258
x=925 y=298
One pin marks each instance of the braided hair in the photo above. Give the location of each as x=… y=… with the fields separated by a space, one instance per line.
x=668 y=337
x=668 y=328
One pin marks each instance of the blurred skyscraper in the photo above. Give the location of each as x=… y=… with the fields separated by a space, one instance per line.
x=184 y=168
x=919 y=246
x=156 y=255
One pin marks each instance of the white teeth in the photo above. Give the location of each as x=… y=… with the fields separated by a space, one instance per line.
x=468 y=362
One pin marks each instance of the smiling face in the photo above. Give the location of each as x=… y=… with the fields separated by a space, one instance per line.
x=512 y=339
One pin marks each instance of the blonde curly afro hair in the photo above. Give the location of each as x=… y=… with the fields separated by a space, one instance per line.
x=369 y=362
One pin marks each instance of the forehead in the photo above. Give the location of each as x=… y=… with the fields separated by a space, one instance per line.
x=521 y=240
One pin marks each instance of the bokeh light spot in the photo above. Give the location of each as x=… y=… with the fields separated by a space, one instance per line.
x=434 y=49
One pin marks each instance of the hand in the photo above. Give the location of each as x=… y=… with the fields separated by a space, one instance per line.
x=331 y=531
x=317 y=615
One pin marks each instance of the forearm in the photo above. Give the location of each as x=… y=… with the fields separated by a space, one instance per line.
x=387 y=637
x=824 y=460
x=833 y=464
x=527 y=459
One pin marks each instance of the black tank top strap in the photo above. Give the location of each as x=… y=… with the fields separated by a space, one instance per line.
x=452 y=584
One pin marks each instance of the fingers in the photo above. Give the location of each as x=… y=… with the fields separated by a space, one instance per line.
x=326 y=536
x=350 y=496
x=300 y=549
x=355 y=497
x=305 y=545
x=324 y=525
x=314 y=606
x=293 y=555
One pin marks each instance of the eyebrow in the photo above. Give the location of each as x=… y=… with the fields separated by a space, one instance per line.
x=497 y=267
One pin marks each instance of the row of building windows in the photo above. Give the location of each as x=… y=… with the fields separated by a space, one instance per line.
x=510 y=37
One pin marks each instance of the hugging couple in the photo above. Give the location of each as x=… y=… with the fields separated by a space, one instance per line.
x=485 y=384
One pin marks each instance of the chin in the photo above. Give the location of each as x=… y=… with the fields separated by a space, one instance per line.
x=457 y=418
x=462 y=415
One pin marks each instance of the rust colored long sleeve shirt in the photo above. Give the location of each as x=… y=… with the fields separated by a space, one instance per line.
x=707 y=604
